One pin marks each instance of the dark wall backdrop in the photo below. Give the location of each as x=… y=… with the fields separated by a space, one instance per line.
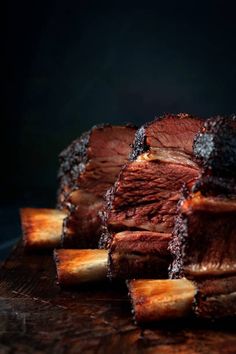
x=71 y=65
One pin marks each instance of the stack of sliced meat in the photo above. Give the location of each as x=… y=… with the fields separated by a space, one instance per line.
x=141 y=207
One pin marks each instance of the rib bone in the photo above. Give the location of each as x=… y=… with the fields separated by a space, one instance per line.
x=80 y=266
x=155 y=300
x=42 y=228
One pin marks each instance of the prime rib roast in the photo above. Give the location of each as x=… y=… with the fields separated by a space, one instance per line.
x=89 y=166
x=141 y=206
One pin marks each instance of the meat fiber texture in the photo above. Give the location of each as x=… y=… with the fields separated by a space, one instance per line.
x=141 y=206
x=89 y=166
x=204 y=238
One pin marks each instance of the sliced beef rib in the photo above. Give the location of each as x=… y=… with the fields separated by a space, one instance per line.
x=146 y=193
x=89 y=167
x=204 y=238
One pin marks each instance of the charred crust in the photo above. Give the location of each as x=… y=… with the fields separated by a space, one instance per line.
x=104 y=240
x=64 y=232
x=110 y=263
x=109 y=196
x=106 y=236
x=215 y=146
x=178 y=239
x=139 y=145
x=72 y=161
x=215 y=186
x=128 y=282
x=177 y=247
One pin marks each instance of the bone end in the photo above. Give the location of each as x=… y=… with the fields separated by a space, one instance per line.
x=156 y=300
x=42 y=228
x=80 y=266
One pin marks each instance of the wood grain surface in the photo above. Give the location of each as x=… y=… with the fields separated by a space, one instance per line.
x=36 y=316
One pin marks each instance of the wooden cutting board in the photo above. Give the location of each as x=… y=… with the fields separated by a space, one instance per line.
x=36 y=316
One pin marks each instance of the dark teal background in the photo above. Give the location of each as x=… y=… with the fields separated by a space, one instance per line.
x=71 y=65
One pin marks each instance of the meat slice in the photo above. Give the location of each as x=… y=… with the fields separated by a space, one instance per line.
x=139 y=254
x=90 y=166
x=204 y=250
x=146 y=193
x=170 y=132
x=204 y=238
x=204 y=246
x=208 y=221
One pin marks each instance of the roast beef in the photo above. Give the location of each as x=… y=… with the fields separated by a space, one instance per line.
x=88 y=168
x=141 y=206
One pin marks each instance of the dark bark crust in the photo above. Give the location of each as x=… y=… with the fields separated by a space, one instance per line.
x=212 y=185
x=72 y=161
x=215 y=146
x=176 y=247
x=139 y=146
